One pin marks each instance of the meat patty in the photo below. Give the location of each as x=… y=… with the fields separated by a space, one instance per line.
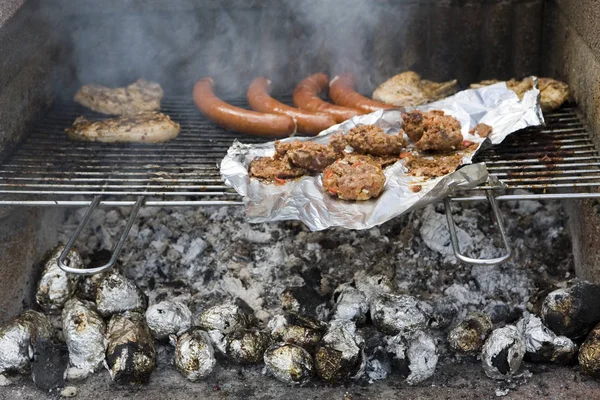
x=309 y=155
x=370 y=139
x=356 y=180
x=481 y=130
x=432 y=130
x=408 y=89
x=140 y=96
x=380 y=161
x=275 y=168
x=148 y=127
x=432 y=167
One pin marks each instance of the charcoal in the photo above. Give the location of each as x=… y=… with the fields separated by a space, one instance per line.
x=130 y=355
x=498 y=312
x=339 y=354
x=117 y=294
x=304 y=300
x=444 y=313
x=469 y=335
x=84 y=332
x=393 y=314
x=351 y=304
x=56 y=286
x=194 y=355
x=17 y=339
x=589 y=353
x=503 y=352
x=574 y=311
x=247 y=346
x=49 y=365
x=289 y=363
x=168 y=318
x=542 y=345
x=297 y=329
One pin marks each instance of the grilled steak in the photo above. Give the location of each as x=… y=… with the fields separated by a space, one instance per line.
x=140 y=96
x=408 y=89
x=148 y=127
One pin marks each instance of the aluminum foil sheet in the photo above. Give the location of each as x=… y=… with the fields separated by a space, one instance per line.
x=84 y=332
x=289 y=363
x=168 y=318
x=351 y=304
x=194 y=355
x=340 y=353
x=394 y=314
x=542 y=345
x=17 y=339
x=422 y=357
x=503 y=352
x=117 y=294
x=305 y=200
x=56 y=286
x=247 y=347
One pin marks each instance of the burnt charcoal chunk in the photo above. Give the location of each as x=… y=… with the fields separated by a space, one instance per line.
x=50 y=361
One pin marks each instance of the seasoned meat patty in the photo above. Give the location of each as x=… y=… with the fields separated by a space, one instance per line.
x=274 y=168
x=356 y=180
x=553 y=93
x=140 y=96
x=338 y=142
x=380 y=161
x=309 y=155
x=432 y=130
x=370 y=139
x=481 y=130
x=432 y=167
x=148 y=127
x=408 y=89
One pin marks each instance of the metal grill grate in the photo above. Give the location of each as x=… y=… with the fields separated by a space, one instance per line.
x=48 y=169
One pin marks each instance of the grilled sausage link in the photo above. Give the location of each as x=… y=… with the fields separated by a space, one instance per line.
x=238 y=119
x=308 y=122
x=306 y=96
x=341 y=91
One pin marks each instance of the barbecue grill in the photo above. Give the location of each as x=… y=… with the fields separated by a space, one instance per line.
x=557 y=161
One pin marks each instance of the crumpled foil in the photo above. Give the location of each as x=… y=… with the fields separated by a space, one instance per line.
x=543 y=345
x=84 y=332
x=305 y=200
x=17 y=339
x=503 y=352
x=117 y=294
x=340 y=353
x=167 y=318
x=289 y=363
x=56 y=286
x=394 y=314
x=422 y=357
x=194 y=354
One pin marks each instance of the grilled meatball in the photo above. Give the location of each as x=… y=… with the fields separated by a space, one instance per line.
x=432 y=130
x=370 y=139
x=274 y=168
x=309 y=155
x=350 y=180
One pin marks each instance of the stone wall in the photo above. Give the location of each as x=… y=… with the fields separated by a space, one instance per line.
x=572 y=53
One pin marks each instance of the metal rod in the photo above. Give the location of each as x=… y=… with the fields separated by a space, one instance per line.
x=115 y=251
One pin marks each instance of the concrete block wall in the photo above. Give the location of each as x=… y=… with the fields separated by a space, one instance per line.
x=572 y=52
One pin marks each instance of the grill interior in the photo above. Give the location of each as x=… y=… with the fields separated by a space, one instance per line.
x=49 y=169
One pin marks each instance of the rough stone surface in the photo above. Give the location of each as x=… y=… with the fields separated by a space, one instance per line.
x=572 y=53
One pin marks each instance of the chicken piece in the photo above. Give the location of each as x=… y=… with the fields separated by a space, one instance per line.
x=432 y=130
x=553 y=93
x=353 y=180
x=148 y=127
x=408 y=89
x=140 y=96
x=432 y=167
x=275 y=168
x=370 y=139
x=380 y=161
x=308 y=155
x=481 y=130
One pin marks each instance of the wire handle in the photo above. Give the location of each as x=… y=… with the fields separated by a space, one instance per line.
x=116 y=250
x=499 y=222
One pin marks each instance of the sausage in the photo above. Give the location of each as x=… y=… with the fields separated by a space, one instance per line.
x=306 y=96
x=308 y=122
x=238 y=119
x=341 y=91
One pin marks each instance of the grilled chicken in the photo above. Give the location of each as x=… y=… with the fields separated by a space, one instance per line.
x=140 y=96
x=408 y=89
x=553 y=93
x=147 y=127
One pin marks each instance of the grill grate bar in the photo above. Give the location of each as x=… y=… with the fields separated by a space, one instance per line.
x=50 y=170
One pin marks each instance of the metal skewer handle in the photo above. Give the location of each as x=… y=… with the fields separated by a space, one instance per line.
x=499 y=222
x=116 y=250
